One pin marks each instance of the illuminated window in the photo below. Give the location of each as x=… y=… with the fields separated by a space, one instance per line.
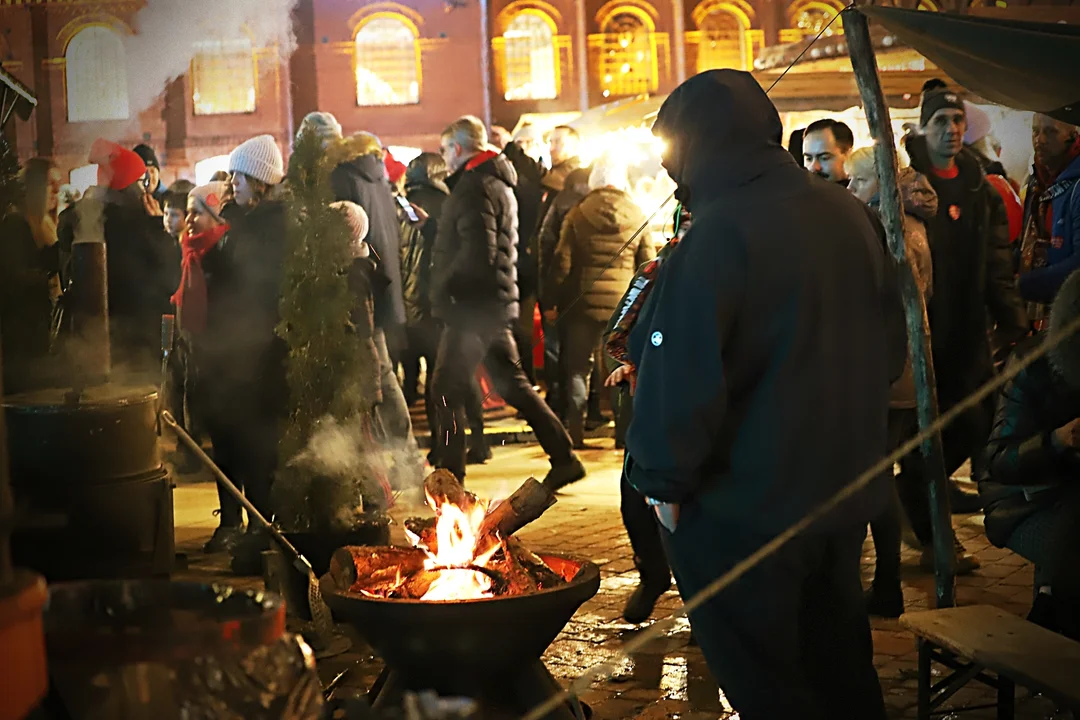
x=530 y=69
x=387 y=63
x=223 y=76
x=723 y=42
x=813 y=17
x=95 y=73
x=628 y=56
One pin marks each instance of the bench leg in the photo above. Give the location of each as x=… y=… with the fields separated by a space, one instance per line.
x=925 y=679
x=1006 y=705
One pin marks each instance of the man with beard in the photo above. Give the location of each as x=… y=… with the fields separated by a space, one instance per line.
x=1050 y=249
x=826 y=145
x=789 y=327
x=474 y=292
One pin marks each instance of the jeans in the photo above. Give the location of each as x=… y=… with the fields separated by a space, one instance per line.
x=552 y=370
x=461 y=350
x=581 y=337
x=790 y=638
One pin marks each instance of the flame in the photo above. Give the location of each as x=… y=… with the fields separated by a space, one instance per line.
x=457 y=552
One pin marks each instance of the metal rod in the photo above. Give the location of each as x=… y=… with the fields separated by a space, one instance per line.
x=864 y=64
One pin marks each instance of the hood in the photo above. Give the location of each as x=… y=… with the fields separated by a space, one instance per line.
x=358 y=155
x=578 y=181
x=1065 y=356
x=722 y=132
x=494 y=164
x=971 y=169
x=610 y=211
x=555 y=178
x=368 y=167
x=918 y=195
x=438 y=186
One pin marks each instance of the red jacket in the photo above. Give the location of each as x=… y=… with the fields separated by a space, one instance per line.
x=1014 y=208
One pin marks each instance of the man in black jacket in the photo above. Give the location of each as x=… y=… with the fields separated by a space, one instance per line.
x=474 y=292
x=764 y=357
x=973 y=272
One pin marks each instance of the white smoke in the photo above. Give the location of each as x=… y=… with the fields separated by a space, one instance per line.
x=166 y=32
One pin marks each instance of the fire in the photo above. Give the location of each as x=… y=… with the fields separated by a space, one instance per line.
x=458 y=551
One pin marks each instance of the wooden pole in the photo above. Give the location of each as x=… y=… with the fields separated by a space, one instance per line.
x=864 y=63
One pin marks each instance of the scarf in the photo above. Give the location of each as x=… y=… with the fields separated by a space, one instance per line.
x=190 y=298
x=630 y=307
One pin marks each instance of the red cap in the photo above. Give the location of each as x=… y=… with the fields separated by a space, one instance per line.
x=394 y=169
x=118 y=167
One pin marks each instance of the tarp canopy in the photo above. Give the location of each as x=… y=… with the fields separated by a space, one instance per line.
x=1022 y=65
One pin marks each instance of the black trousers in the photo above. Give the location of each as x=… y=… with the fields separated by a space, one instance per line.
x=791 y=638
x=581 y=338
x=461 y=351
x=245 y=448
x=638 y=518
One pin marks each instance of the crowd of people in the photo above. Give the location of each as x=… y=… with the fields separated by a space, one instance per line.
x=787 y=328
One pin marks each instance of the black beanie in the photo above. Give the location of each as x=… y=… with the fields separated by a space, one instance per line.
x=938 y=99
x=149 y=157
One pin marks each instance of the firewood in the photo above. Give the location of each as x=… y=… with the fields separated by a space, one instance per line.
x=359 y=566
x=537 y=569
x=443 y=487
x=424 y=528
x=418 y=584
x=515 y=512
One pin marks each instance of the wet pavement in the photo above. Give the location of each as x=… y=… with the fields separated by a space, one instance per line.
x=669 y=679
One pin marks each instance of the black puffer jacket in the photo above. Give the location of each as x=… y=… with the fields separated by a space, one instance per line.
x=574 y=189
x=969 y=280
x=766 y=349
x=590 y=269
x=363 y=181
x=416 y=254
x=474 y=263
x=529 y=193
x=242 y=360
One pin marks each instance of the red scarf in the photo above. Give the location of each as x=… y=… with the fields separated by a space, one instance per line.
x=190 y=297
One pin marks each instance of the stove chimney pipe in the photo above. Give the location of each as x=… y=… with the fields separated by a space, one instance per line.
x=92 y=361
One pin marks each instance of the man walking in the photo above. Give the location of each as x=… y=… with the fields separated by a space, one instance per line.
x=764 y=357
x=474 y=292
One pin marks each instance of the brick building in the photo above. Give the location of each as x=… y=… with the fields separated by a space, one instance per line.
x=404 y=68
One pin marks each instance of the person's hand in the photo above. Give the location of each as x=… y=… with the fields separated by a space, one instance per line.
x=551 y=315
x=621 y=374
x=1068 y=435
x=668 y=515
x=150 y=204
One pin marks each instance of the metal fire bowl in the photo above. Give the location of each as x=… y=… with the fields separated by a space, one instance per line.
x=470 y=646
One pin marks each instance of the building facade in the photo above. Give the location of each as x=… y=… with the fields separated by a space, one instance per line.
x=404 y=69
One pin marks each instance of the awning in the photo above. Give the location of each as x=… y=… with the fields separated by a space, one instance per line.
x=14 y=98
x=1022 y=65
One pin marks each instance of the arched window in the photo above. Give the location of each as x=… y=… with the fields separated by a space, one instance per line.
x=95 y=68
x=530 y=69
x=387 y=62
x=223 y=77
x=810 y=18
x=628 y=56
x=723 y=41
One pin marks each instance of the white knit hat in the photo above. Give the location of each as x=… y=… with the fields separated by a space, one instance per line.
x=259 y=158
x=210 y=197
x=357 y=220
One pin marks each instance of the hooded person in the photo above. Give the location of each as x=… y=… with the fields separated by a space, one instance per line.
x=790 y=328
x=1029 y=490
x=584 y=285
x=242 y=360
x=152 y=177
x=474 y=293
x=359 y=176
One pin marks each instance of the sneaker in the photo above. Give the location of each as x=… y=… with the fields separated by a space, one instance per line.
x=966 y=563
x=885 y=603
x=642 y=602
x=562 y=475
x=224 y=537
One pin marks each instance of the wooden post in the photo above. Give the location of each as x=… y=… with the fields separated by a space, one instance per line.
x=7 y=506
x=864 y=63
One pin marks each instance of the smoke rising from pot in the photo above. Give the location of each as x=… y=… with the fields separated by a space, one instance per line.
x=167 y=33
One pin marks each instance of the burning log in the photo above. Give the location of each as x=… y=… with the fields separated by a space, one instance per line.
x=361 y=567
x=443 y=488
x=528 y=502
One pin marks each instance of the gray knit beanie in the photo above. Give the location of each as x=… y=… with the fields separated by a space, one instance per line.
x=322 y=125
x=258 y=158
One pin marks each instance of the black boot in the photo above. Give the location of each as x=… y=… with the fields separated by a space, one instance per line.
x=642 y=601
x=963 y=498
x=885 y=603
x=562 y=475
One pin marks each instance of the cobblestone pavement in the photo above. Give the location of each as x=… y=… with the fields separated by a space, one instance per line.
x=669 y=679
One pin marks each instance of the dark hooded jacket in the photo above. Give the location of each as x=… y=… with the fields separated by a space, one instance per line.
x=529 y=194
x=474 y=262
x=766 y=350
x=591 y=269
x=969 y=280
x=363 y=181
x=416 y=252
x=575 y=188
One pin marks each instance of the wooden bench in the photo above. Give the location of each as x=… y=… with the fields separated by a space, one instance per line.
x=997 y=649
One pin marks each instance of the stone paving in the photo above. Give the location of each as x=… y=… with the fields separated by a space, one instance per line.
x=669 y=680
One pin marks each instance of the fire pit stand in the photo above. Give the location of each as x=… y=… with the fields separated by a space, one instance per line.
x=488 y=649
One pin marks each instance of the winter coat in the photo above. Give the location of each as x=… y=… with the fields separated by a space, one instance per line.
x=363 y=282
x=474 y=261
x=590 y=268
x=551 y=187
x=529 y=193
x=574 y=190
x=969 y=280
x=1061 y=256
x=766 y=349
x=25 y=308
x=920 y=208
x=363 y=180
x=242 y=359
x=1025 y=470
x=416 y=252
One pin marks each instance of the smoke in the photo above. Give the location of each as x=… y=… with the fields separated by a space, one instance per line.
x=166 y=33
x=90 y=224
